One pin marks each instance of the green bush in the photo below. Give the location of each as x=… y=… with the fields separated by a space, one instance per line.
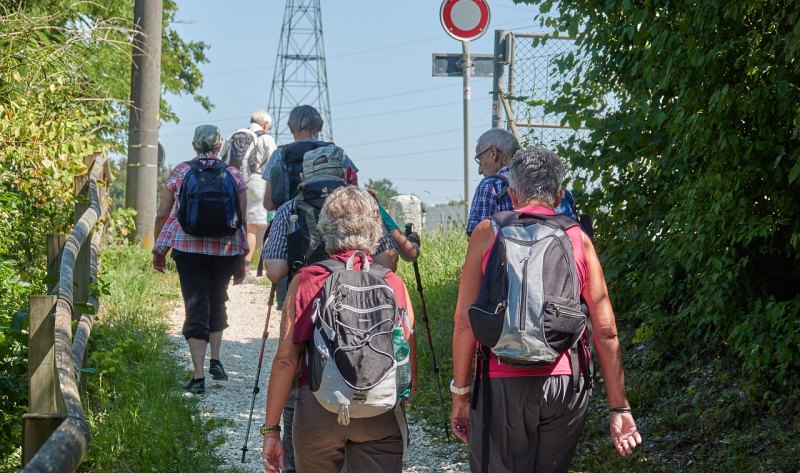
x=693 y=170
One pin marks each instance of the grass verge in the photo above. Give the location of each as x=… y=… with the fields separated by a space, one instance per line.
x=141 y=419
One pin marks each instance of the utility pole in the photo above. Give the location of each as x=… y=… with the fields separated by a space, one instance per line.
x=300 y=76
x=140 y=191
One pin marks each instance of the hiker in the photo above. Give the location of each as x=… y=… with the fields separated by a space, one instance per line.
x=284 y=255
x=248 y=150
x=282 y=172
x=493 y=154
x=205 y=264
x=333 y=430
x=530 y=418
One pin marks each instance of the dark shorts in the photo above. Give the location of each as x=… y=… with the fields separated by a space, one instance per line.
x=534 y=424
x=204 y=285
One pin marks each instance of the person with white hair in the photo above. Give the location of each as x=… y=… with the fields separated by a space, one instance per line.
x=493 y=155
x=248 y=149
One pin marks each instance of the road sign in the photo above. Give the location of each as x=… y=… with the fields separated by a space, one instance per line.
x=452 y=65
x=465 y=20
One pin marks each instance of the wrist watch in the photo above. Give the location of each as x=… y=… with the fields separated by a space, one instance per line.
x=460 y=391
x=264 y=430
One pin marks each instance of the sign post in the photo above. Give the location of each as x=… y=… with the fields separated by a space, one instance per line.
x=465 y=20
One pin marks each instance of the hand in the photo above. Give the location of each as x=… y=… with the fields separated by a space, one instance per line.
x=159 y=262
x=272 y=453
x=413 y=237
x=624 y=433
x=459 y=417
x=240 y=272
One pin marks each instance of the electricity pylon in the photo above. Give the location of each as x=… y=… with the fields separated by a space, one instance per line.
x=300 y=76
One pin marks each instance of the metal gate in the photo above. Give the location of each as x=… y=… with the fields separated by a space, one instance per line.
x=525 y=71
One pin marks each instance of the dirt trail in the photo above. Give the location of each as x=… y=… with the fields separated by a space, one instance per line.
x=231 y=399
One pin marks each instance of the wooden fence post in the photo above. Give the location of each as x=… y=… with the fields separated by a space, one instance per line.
x=46 y=406
x=55 y=245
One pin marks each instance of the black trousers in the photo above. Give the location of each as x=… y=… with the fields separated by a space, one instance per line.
x=204 y=285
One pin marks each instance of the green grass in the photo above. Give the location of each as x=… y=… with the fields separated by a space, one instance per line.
x=141 y=419
x=442 y=255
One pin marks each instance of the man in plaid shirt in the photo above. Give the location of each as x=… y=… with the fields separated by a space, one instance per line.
x=493 y=154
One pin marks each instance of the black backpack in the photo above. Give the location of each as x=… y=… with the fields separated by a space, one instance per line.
x=208 y=200
x=242 y=152
x=285 y=177
x=304 y=245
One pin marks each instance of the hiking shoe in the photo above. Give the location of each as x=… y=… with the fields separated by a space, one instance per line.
x=196 y=386
x=217 y=371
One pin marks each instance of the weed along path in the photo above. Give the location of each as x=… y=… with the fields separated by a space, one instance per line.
x=229 y=401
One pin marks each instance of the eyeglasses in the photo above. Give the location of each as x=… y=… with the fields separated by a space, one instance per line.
x=477 y=157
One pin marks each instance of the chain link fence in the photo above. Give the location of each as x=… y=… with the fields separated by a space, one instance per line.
x=525 y=80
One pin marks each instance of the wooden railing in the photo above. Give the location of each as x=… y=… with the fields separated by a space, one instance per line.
x=56 y=435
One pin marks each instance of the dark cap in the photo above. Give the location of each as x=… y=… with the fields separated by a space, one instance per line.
x=206 y=138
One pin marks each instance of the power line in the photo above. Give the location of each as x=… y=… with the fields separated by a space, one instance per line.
x=414 y=136
x=393 y=112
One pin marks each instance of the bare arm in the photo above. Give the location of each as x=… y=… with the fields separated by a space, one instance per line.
x=387 y=259
x=164 y=210
x=606 y=341
x=268 y=196
x=277 y=269
x=463 y=338
x=281 y=380
x=406 y=249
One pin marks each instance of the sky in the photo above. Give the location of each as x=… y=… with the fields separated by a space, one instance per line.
x=393 y=118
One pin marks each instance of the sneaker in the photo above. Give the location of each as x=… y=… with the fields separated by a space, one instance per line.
x=196 y=386
x=217 y=371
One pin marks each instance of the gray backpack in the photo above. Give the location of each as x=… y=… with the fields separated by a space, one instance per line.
x=353 y=365
x=528 y=311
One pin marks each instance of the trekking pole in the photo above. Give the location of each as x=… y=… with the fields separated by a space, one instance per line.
x=258 y=372
x=445 y=424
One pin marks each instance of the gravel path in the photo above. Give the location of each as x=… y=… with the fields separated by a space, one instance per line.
x=231 y=399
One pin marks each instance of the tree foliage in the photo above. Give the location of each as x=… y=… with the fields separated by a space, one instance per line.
x=64 y=79
x=694 y=169
x=384 y=191
x=110 y=66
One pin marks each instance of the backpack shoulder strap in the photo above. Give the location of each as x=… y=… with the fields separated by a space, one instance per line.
x=501 y=177
x=331 y=265
x=379 y=270
x=505 y=217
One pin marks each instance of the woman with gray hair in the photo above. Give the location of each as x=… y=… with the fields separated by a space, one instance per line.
x=534 y=412
x=350 y=226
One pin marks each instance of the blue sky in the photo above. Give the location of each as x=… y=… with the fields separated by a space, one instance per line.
x=392 y=117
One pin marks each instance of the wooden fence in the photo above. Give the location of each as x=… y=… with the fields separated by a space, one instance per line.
x=56 y=435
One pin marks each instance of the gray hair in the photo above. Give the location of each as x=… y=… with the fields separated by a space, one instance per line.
x=536 y=173
x=349 y=220
x=261 y=117
x=304 y=117
x=503 y=140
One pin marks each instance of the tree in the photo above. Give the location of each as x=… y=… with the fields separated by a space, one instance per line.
x=695 y=167
x=109 y=66
x=384 y=191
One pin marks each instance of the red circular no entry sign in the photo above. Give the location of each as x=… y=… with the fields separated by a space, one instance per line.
x=465 y=20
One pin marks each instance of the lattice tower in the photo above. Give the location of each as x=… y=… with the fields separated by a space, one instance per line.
x=300 y=76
